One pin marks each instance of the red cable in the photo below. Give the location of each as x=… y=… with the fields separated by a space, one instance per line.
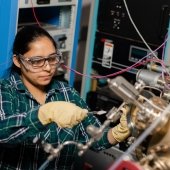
x=35 y=14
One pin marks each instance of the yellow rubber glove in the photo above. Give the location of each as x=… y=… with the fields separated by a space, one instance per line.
x=64 y=114
x=121 y=131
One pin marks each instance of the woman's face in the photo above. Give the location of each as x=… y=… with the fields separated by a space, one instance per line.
x=42 y=47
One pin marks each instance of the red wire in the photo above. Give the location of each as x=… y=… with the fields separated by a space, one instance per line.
x=35 y=14
x=116 y=73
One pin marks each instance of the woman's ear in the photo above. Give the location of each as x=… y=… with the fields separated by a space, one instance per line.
x=16 y=61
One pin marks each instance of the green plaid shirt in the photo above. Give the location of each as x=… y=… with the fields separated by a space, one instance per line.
x=19 y=125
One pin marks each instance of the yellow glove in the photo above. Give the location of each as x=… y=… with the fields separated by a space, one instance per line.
x=64 y=114
x=121 y=131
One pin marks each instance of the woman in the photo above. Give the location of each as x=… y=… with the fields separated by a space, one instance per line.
x=34 y=104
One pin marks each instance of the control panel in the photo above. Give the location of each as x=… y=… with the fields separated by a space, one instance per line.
x=137 y=53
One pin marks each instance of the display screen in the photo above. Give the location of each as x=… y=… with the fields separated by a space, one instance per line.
x=137 y=53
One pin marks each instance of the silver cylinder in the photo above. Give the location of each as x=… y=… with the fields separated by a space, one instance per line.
x=149 y=77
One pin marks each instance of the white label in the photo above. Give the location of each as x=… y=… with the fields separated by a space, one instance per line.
x=107 y=55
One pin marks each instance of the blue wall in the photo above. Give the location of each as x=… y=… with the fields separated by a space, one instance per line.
x=8 y=21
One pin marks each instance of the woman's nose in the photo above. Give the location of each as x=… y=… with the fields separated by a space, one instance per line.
x=46 y=66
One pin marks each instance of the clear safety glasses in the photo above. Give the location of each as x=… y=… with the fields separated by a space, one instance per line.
x=36 y=64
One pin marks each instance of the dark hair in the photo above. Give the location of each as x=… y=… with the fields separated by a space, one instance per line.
x=27 y=35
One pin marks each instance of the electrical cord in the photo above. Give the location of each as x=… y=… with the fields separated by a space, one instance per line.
x=138 y=30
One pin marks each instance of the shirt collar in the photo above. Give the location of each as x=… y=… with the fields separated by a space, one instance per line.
x=17 y=82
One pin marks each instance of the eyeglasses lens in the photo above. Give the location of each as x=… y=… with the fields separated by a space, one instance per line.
x=34 y=64
x=52 y=59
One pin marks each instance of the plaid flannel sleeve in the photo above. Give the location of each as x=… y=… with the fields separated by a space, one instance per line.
x=15 y=127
